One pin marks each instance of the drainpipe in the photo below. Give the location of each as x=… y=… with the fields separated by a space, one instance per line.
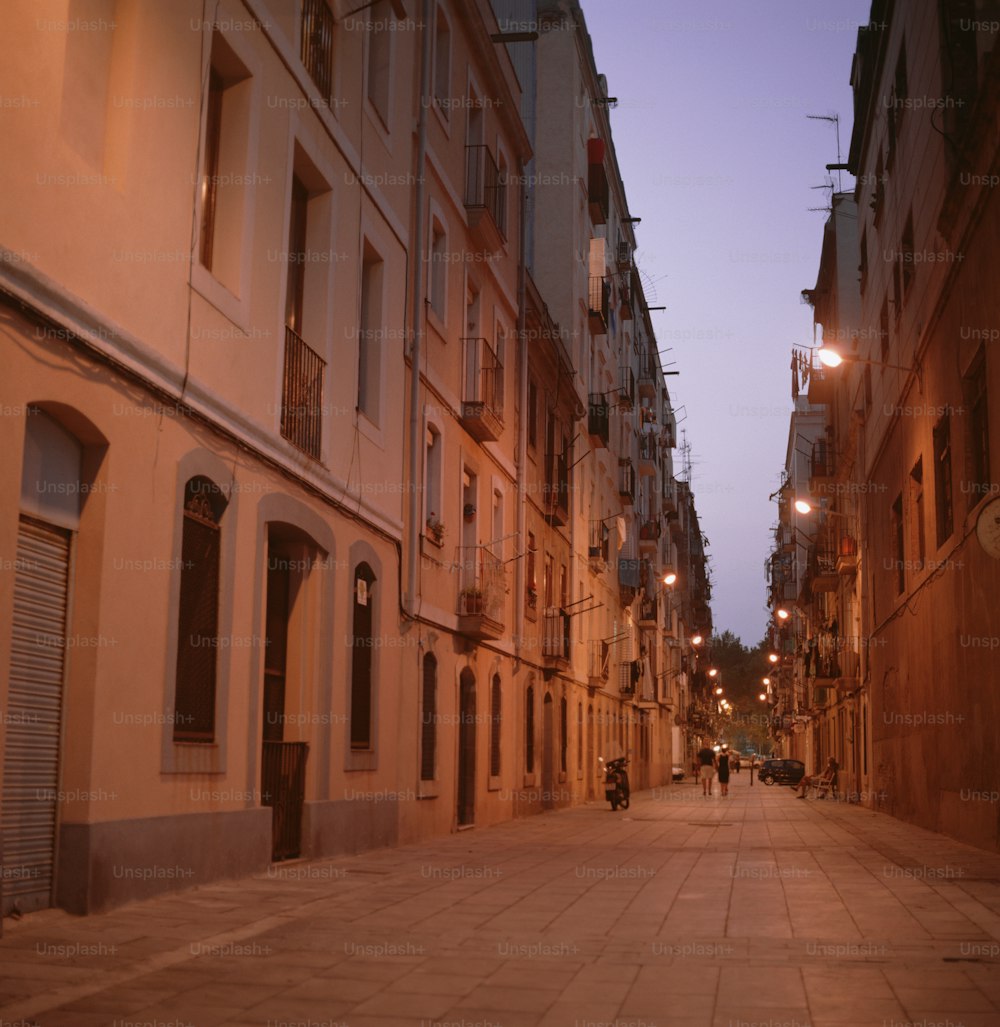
x=416 y=435
x=522 y=425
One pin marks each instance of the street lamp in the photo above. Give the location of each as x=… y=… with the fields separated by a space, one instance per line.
x=782 y=614
x=773 y=657
x=669 y=578
x=805 y=507
x=713 y=672
x=831 y=358
x=697 y=640
x=718 y=691
x=762 y=696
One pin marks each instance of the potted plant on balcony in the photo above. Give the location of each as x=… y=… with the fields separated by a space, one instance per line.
x=435 y=529
x=471 y=599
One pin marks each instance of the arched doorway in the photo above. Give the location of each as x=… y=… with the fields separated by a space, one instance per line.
x=50 y=516
x=466 y=749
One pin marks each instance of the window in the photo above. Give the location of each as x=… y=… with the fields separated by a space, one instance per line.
x=899 y=553
x=361 y=658
x=432 y=478
x=501 y=200
x=942 y=479
x=529 y=730
x=917 y=494
x=428 y=719
x=579 y=737
x=878 y=197
x=317 y=44
x=379 y=52
x=442 y=61
x=227 y=119
x=438 y=277
x=370 y=335
x=304 y=368
x=896 y=104
x=530 y=562
x=198 y=615
x=532 y=414
x=979 y=430
x=495 y=697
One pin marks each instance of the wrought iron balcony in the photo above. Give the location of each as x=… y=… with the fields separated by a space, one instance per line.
x=649 y=536
x=485 y=196
x=599 y=547
x=626 y=481
x=482 y=390
x=847 y=553
x=302 y=395
x=626 y=387
x=822 y=464
x=481 y=592
x=648 y=453
x=557 y=488
x=599 y=419
x=556 y=636
x=598 y=663
x=649 y=375
x=598 y=304
x=648 y=612
x=598 y=194
x=317 y=44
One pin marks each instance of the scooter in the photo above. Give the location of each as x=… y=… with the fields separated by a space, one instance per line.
x=616 y=789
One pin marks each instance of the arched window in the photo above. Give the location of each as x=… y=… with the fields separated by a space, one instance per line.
x=529 y=730
x=198 y=615
x=361 y=658
x=495 y=726
x=428 y=719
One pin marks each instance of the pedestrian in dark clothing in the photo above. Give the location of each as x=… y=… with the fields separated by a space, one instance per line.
x=724 y=771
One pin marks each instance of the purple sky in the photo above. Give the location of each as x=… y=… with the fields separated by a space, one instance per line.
x=719 y=159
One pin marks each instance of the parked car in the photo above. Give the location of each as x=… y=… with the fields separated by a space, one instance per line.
x=782 y=772
x=734 y=761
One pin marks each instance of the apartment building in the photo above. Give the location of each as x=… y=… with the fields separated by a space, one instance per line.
x=310 y=544
x=903 y=466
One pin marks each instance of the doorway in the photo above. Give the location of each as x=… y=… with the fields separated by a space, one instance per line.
x=467 y=749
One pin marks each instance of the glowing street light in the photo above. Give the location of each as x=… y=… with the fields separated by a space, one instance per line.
x=697 y=640
x=713 y=673
x=783 y=614
x=773 y=657
x=718 y=691
x=669 y=578
x=765 y=681
x=762 y=696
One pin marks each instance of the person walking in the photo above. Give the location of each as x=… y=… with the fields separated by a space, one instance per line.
x=723 y=764
x=707 y=764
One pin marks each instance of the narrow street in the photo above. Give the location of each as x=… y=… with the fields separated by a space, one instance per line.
x=756 y=909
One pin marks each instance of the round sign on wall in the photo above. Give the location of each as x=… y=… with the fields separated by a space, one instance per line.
x=988 y=528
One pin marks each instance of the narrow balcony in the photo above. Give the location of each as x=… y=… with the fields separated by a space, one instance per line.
x=302 y=395
x=669 y=494
x=599 y=548
x=648 y=375
x=649 y=536
x=599 y=419
x=556 y=637
x=598 y=193
x=485 y=198
x=822 y=465
x=626 y=388
x=648 y=612
x=847 y=554
x=821 y=384
x=626 y=309
x=626 y=482
x=481 y=593
x=556 y=488
x=629 y=575
x=598 y=304
x=629 y=673
x=598 y=663
x=648 y=453
x=482 y=391
x=823 y=567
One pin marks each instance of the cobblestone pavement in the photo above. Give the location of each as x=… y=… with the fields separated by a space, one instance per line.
x=753 y=910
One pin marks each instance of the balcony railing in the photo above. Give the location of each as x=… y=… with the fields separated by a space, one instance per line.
x=302 y=395
x=598 y=304
x=599 y=547
x=598 y=661
x=556 y=637
x=647 y=612
x=626 y=387
x=317 y=44
x=481 y=592
x=648 y=453
x=599 y=419
x=597 y=193
x=482 y=390
x=821 y=464
x=557 y=488
x=485 y=189
x=626 y=481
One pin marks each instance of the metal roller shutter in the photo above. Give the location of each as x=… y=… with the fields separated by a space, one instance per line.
x=31 y=756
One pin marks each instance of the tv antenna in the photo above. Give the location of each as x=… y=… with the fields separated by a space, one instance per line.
x=835 y=118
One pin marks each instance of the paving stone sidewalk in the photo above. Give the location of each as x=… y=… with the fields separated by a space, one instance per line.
x=753 y=911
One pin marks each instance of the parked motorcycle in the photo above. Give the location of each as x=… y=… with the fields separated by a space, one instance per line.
x=616 y=789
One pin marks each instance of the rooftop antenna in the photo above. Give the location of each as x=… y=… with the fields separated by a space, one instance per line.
x=835 y=118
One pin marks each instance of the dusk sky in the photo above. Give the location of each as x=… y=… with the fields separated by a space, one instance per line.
x=719 y=161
